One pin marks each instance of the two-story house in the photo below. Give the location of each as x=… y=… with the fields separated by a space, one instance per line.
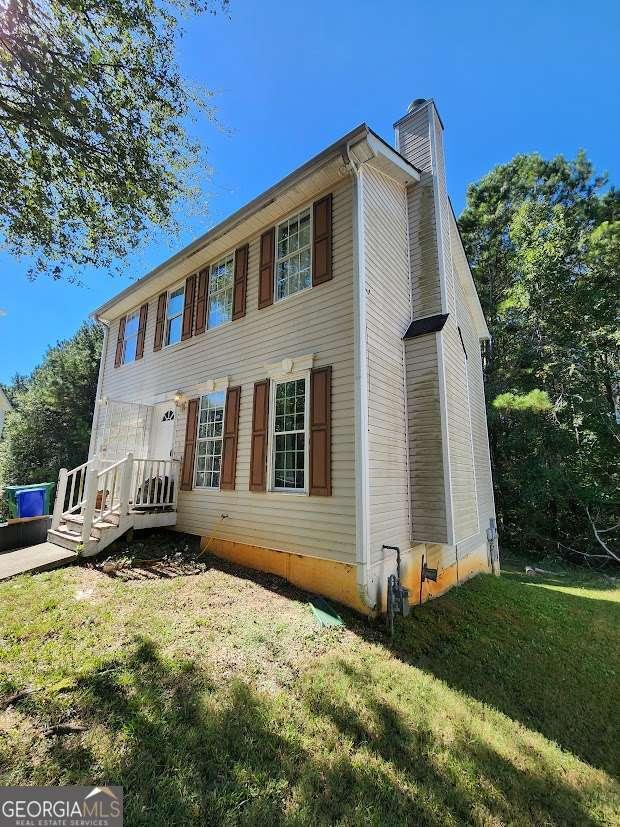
x=302 y=386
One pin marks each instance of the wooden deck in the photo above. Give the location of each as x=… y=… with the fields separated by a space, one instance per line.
x=34 y=558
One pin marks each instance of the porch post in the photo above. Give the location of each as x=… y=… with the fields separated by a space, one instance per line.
x=126 y=485
x=90 y=499
x=59 y=502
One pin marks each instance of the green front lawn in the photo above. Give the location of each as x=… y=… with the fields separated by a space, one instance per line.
x=212 y=697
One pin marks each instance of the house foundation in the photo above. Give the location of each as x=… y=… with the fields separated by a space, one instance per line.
x=338 y=581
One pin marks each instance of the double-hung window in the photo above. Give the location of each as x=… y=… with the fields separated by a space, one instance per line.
x=289 y=438
x=130 y=337
x=174 y=315
x=293 y=263
x=221 y=291
x=209 y=441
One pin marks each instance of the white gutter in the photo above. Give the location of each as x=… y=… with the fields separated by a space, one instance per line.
x=361 y=393
x=370 y=149
x=104 y=353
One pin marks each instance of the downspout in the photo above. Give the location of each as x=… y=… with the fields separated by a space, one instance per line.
x=361 y=394
x=104 y=353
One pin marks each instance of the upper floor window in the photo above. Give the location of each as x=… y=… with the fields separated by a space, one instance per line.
x=209 y=442
x=293 y=268
x=174 y=315
x=130 y=337
x=221 y=291
x=289 y=435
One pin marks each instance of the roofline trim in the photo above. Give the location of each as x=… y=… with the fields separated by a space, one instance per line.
x=255 y=205
x=486 y=333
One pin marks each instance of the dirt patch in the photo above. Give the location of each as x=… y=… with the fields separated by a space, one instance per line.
x=231 y=620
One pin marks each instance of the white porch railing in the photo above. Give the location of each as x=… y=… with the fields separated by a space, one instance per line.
x=155 y=483
x=95 y=492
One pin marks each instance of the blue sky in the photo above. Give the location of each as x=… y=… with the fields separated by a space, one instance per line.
x=293 y=77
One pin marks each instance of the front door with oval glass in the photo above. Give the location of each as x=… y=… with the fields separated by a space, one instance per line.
x=162 y=431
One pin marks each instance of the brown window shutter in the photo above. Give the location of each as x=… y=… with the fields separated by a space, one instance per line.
x=191 y=429
x=260 y=425
x=320 y=432
x=144 y=312
x=188 y=307
x=241 y=281
x=229 y=447
x=322 y=241
x=118 y=356
x=201 y=302
x=160 y=323
x=265 y=275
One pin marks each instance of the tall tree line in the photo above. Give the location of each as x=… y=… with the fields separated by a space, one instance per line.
x=543 y=240
x=49 y=427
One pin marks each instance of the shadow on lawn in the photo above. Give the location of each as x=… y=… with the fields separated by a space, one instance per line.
x=544 y=657
x=186 y=753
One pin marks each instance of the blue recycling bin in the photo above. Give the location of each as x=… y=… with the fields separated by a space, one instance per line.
x=31 y=502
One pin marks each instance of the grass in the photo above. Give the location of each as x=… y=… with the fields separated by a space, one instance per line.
x=212 y=697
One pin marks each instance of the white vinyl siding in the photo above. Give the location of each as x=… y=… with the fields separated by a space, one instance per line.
x=426 y=461
x=464 y=504
x=439 y=269
x=293 y=256
x=414 y=144
x=477 y=405
x=130 y=339
x=420 y=140
x=388 y=311
x=318 y=526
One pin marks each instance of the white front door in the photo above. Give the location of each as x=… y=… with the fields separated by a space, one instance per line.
x=162 y=431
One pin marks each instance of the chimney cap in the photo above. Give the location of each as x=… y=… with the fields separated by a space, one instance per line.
x=416 y=103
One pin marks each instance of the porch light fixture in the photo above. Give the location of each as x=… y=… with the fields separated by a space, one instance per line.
x=180 y=400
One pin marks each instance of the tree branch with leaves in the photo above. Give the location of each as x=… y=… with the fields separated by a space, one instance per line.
x=95 y=152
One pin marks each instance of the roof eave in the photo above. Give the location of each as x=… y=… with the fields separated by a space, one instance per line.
x=372 y=149
x=249 y=209
x=483 y=330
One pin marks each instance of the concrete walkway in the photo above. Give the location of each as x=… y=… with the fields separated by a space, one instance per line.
x=34 y=558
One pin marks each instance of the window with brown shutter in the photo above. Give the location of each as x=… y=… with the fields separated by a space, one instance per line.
x=191 y=429
x=188 y=308
x=265 y=275
x=201 y=301
x=260 y=425
x=240 y=284
x=160 y=323
x=229 y=448
x=322 y=240
x=320 y=432
x=120 y=341
x=144 y=312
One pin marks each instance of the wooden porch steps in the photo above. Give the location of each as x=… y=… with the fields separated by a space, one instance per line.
x=98 y=498
x=104 y=532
